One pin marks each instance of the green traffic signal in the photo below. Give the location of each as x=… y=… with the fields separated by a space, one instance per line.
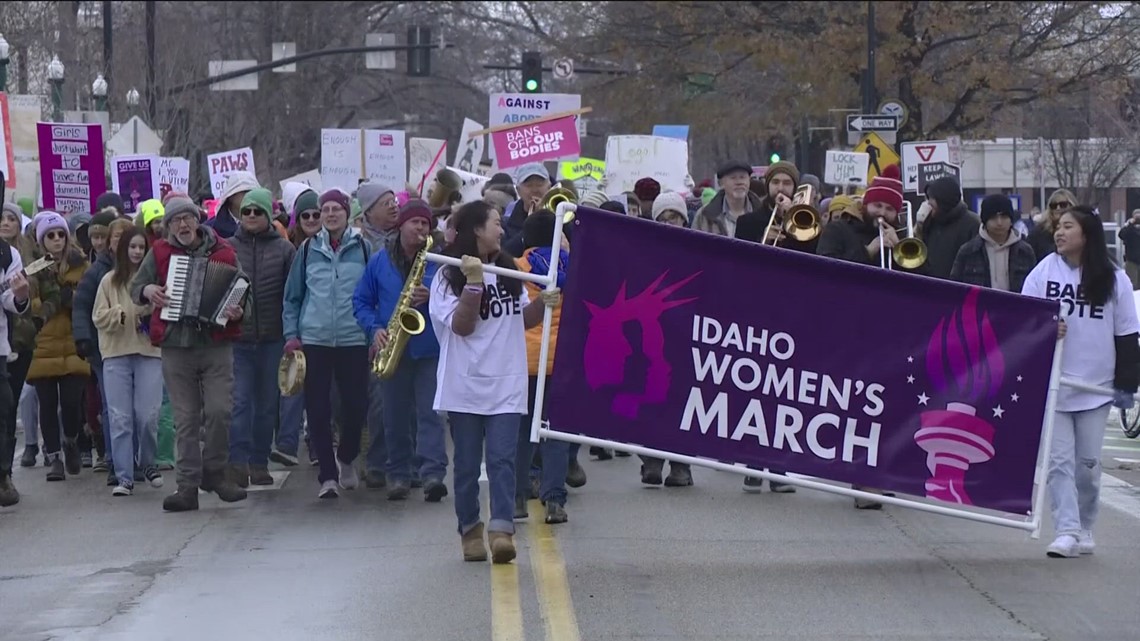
x=532 y=85
x=774 y=158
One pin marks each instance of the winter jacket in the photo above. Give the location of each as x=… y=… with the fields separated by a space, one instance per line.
x=82 y=327
x=376 y=297
x=1130 y=235
x=318 y=294
x=55 y=354
x=945 y=234
x=846 y=238
x=972 y=265
x=224 y=224
x=1041 y=240
x=22 y=328
x=513 y=219
x=265 y=258
x=710 y=218
x=538 y=259
x=753 y=227
x=118 y=320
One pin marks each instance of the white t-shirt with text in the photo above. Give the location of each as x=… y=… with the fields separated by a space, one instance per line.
x=1090 y=351
x=484 y=373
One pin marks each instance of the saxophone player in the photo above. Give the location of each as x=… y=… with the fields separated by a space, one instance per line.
x=379 y=296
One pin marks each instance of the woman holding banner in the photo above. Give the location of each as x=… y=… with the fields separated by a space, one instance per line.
x=1098 y=317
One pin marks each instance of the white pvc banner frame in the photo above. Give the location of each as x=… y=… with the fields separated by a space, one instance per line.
x=1030 y=523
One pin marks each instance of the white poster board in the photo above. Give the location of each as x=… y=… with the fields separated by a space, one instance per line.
x=921 y=153
x=385 y=157
x=426 y=156
x=843 y=168
x=175 y=173
x=509 y=108
x=220 y=165
x=469 y=154
x=341 y=158
x=472 y=188
x=631 y=158
x=312 y=178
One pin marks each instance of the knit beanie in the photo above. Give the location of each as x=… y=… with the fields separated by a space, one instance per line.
x=593 y=198
x=707 y=195
x=260 y=199
x=306 y=202
x=110 y=199
x=175 y=206
x=369 y=193
x=103 y=218
x=781 y=167
x=614 y=206
x=843 y=204
x=151 y=210
x=47 y=221
x=669 y=200
x=414 y=208
x=996 y=205
x=647 y=189
x=886 y=189
x=338 y=196
x=946 y=192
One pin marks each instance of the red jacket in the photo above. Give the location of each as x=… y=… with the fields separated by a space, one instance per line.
x=221 y=252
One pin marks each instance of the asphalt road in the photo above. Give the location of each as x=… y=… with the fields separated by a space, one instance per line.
x=706 y=562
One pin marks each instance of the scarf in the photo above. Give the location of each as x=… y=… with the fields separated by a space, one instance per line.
x=539 y=259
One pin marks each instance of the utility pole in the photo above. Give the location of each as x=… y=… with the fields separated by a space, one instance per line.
x=151 y=91
x=870 y=100
x=108 y=47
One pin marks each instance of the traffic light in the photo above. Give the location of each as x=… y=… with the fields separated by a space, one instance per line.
x=419 y=60
x=776 y=149
x=532 y=72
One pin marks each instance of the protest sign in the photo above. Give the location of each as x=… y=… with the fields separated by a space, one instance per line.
x=469 y=154
x=586 y=173
x=385 y=157
x=843 y=168
x=135 y=178
x=948 y=406
x=631 y=158
x=426 y=156
x=72 y=166
x=222 y=164
x=173 y=175
x=312 y=178
x=472 y=188
x=511 y=108
x=342 y=158
x=7 y=157
x=537 y=141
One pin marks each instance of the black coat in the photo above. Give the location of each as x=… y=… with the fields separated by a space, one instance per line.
x=1041 y=240
x=754 y=225
x=1130 y=235
x=944 y=235
x=846 y=238
x=972 y=266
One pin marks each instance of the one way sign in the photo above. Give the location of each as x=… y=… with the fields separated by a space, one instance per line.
x=885 y=126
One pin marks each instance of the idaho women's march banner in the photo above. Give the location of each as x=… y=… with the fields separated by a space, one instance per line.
x=717 y=348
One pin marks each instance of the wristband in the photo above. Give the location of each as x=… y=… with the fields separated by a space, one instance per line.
x=473 y=289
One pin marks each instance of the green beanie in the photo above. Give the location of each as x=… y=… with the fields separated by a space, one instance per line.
x=707 y=195
x=356 y=210
x=28 y=206
x=781 y=167
x=260 y=199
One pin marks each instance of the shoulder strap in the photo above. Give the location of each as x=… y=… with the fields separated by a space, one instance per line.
x=5 y=255
x=305 y=257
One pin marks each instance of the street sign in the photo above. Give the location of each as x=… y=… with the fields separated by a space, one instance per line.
x=563 y=69
x=921 y=153
x=894 y=108
x=134 y=137
x=929 y=172
x=955 y=143
x=880 y=154
x=859 y=124
x=380 y=59
x=282 y=50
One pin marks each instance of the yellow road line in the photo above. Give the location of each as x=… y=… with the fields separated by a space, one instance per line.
x=506 y=602
x=550 y=579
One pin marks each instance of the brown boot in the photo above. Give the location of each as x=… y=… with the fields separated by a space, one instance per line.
x=472 y=542
x=239 y=474
x=502 y=547
x=259 y=475
x=867 y=504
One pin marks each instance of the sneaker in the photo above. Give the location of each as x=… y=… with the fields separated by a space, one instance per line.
x=29 y=457
x=259 y=475
x=434 y=490
x=349 y=480
x=1086 y=544
x=100 y=464
x=1063 y=547
x=555 y=513
x=8 y=494
x=575 y=475
x=328 y=490
x=56 y=472
x=86 y=460
x=184 y=500
x=375 y=480
x=288 y=460
x=122 y=489
x=781 y=488
x=152 y=476
x=399 y=489
x=650 y=475
x=753 y=485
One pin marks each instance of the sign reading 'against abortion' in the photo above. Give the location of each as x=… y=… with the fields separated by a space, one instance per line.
x=536 y=142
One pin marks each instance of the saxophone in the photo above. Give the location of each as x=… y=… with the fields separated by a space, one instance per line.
x=406 y=320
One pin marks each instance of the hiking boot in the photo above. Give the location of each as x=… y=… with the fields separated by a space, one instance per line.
x=434 y=490
x=575 y=475
x=472 y=544
x=866 y=504
x=502 y=547
x=184 y=500
x=259 y=475
x=8 y=494
x=375 y=480
x=601 y=453
x=555 y=513
x=651 y=474
x=239 y=474
x=520 y=508
x=679 y=476
x=29 y=457
x=399 y=489
x=225 y=488
x=72 y=462
x=56 y=468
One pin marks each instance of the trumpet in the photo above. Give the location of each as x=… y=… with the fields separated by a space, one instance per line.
x=801 y=221
x=910 y=252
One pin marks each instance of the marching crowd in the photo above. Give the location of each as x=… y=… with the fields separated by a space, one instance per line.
x=98 y=379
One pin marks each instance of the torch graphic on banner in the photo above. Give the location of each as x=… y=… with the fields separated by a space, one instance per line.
x=965 y=364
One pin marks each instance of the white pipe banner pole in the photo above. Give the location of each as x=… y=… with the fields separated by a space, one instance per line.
x=544 y=350
x=1041 y=475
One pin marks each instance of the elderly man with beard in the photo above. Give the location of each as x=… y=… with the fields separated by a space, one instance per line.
x=197 y=361
x=732 y=203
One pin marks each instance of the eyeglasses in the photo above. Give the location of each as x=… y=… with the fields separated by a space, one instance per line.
x=250 y=211
x=309 y=215
x=1060 y=204
x=55 y=235
x=188 y=220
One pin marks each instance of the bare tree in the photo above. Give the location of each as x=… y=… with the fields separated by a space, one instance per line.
x=1091 y=167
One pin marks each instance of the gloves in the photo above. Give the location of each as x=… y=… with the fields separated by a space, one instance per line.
x=83 y=348
x=65 y=296
x=552 y=298
x=1122 y=399
x=472 y=269
x=292 y=345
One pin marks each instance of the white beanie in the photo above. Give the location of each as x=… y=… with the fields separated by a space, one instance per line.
x=238 y=182
x=290 y=191
x=669 y=200
x=594 y=198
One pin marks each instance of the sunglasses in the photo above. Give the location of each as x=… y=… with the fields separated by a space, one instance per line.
x=55 y=235
x=1060 y=204
x=250 y=211
x=309 y=215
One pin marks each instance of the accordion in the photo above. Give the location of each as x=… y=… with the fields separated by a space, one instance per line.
x=200 y=290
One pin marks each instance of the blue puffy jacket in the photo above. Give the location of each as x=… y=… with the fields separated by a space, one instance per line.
x=318 y=293
x=376 y=297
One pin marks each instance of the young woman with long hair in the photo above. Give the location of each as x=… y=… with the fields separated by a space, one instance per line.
x=1102 y=348
x=481 y=322
x=132 y=367
x=22 y=337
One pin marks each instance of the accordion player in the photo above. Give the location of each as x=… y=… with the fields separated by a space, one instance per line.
x=200 y=290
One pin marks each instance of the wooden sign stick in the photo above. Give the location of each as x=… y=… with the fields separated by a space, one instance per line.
x=516 y=125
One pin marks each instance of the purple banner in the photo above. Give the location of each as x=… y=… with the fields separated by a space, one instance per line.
x=72 y=166
x=133 y=178
x=717 y=348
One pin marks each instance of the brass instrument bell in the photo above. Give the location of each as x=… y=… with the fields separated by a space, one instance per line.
x=801 y=221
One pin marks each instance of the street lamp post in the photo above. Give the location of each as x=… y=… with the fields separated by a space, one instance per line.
x=55 y=77
x=4 y=50
x=132 y=100
x=99 y=90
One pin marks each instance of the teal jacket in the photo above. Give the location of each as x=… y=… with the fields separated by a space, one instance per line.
x=318 y=292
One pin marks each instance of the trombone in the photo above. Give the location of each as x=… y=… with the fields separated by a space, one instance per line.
x=910 y=252
x=801 y=221
x=558 y=195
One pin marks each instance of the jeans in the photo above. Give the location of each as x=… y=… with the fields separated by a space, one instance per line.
x=292 y=414
x=376 y=459
x=66 y=394
x=17 y=371
x=200 y=382
x=165 y=430
x=133 y=385
x=255 y=401
x=412 y=390
x=555 y=457
x=7 y=422
x=349 y=366
x=498 y=435
x=28 y=409
x=1074 y=469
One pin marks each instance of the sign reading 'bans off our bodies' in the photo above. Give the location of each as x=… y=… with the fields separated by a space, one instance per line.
x=72 y=167
x=536 y=142
x=946 y=406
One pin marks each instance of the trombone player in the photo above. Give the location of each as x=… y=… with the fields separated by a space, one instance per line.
x=410 y=390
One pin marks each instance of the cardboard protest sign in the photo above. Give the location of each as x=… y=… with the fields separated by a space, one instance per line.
x=135 y=178
x=72 y=166
x=222 y=164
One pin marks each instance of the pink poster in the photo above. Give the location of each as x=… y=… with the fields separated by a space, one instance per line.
x=536 y=142
x=73 y=170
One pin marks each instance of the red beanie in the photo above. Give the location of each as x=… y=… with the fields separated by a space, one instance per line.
x=414 y=208
x=647 y=189
x=886 y=189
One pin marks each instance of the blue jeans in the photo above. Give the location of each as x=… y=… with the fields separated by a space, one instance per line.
x=292 y=414
x=376 y=459
x=97 y=372
x=255 y=401
x=133 y=387
x=1074 y=469
x=412 y=389
x=471 y=433
x=555 y=457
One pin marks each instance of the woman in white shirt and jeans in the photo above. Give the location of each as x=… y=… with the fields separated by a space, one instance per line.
x=1100 y=329
x=481 y=323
